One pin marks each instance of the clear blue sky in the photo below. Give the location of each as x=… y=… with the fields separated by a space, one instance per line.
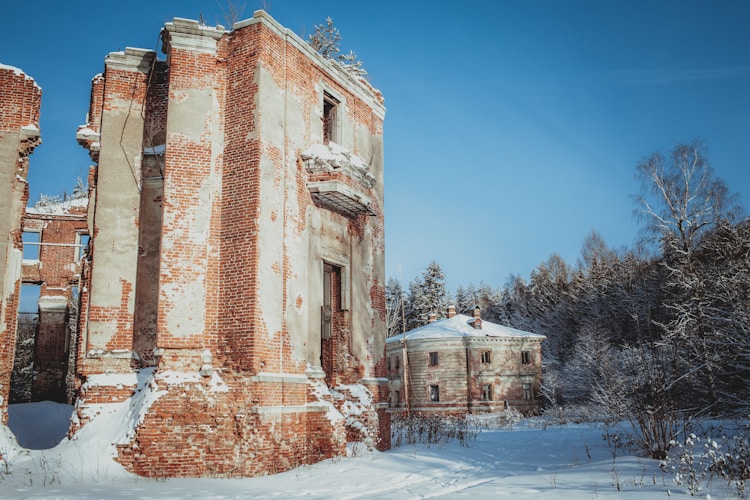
x=512 y=127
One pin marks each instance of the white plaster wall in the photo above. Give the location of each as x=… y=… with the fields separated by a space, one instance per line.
x=193 y=116
x=118 y=198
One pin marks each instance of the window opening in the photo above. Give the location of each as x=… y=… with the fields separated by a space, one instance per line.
x=486 y=356
x=526 y=357
x=397 y=362
x=329 y=317
x=434 y=359
x=527 y=392
x=486 y=392
x=329 y=300
x=29 y=299
x=330 y=104
x=82 y=240
x=434 y=393
x=31 y=241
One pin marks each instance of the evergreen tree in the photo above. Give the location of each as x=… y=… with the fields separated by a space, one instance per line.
x=326 y=40
x=427 y=295
x=394 y=306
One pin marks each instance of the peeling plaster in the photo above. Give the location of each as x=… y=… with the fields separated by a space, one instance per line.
x=185 y=317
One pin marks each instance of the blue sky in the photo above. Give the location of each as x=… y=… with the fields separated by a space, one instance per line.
x=512 y=127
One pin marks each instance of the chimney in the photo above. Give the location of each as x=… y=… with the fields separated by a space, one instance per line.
x=477 y=319
x=451 y=311
x=432 y=319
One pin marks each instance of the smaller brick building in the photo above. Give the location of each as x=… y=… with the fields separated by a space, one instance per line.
x=55 y=236
x=463 y=364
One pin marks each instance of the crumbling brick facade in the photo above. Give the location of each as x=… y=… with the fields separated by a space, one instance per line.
x=20 y=100
x=464 y=365
x=237 y=265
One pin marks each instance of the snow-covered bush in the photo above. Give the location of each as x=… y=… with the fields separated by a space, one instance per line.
x=699 y=460
x=426 y=429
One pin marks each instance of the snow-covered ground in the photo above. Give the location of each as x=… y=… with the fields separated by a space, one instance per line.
x=557 y=462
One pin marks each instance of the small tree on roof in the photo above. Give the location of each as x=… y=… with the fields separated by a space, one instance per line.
x=326 y=40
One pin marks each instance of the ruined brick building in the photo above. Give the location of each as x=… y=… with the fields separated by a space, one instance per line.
x=234 y=288
x=55 y=238
x=20 y=102
x=462 y=364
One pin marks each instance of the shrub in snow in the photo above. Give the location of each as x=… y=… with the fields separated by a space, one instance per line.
x=414 y=428
x=699 y=460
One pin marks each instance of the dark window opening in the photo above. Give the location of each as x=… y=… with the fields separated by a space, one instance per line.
x=329 y=118
x=434 y=393
x=331 y=299
x=330 y=320
x=434 y=359
x=526 y=357
x=486 y=356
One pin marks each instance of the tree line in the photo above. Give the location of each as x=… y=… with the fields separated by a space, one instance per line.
x=657 y=334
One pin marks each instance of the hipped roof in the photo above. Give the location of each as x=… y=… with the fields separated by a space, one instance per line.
x=462 y=326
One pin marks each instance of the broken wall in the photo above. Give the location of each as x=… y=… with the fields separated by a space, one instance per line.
x=221 y=299
x=20 y=101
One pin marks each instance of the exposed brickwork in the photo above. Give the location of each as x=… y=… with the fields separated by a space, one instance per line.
x=227 y=283
x=60 y=226
x=20 y=99
x=229 y=432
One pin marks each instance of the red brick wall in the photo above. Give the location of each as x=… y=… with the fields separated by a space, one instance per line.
x=192 y=177
x=20 y=100
x=270 y=419
x=240 y=323
x=58 y=271
x=191 y=431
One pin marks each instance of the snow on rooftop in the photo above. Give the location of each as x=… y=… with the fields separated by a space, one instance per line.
x=461 y=326
x=58 y=207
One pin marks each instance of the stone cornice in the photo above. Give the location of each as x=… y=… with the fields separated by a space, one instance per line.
x=131 y=60
x=187 y=34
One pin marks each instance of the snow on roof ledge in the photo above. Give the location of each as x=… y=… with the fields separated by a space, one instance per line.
x=31 y=131
x=84 y=133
